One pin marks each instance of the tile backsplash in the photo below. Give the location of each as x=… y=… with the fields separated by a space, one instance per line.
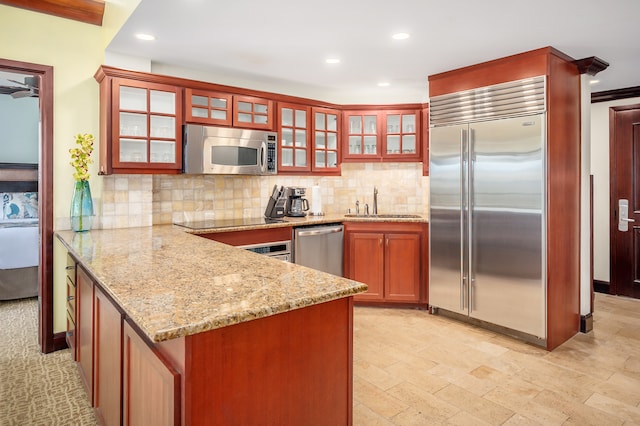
x=142 y=200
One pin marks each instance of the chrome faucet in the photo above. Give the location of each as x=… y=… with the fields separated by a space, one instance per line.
x=375 y=200
x=357 y=207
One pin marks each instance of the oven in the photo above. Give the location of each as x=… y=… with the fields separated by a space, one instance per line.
x=277 y=249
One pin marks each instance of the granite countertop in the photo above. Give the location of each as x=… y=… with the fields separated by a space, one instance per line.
x=174 y=284
x=203 y=227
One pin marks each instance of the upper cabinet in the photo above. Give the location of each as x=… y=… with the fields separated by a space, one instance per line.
x=326 y=141
x=226 y=109
x=252 y=112
x=206 y=107
x=309 y=139
x=383 y=135
x=294 y=154
x=141 y=126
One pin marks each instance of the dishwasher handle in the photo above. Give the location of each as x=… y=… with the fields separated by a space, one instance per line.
x=325 y=230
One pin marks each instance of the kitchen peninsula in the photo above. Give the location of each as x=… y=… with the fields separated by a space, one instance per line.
x=201 y=332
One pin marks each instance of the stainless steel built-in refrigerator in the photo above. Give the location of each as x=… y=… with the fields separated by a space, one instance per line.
x=487 y=204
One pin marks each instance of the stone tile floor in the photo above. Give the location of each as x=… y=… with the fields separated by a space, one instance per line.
x=413 y=368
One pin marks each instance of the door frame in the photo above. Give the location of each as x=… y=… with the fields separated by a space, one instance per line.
x=613 y=222
x=46 y=338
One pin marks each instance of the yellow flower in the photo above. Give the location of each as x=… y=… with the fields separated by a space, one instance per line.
x=81 y=156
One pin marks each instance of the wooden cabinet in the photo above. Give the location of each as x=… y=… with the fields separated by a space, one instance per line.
x=140 y=125
x=294 y=152
x=253 y=112
x=228 y=109
x=205 y=107
x=383 y=134
x=151 y=387
x=391 y=258
x=309 y=140
x=326 y=141
x=425 y=140
x=107 y=361
x=71 y=305
x=84 y=330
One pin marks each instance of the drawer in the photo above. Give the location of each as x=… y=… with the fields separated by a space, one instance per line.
x=71 y=299
x=71 y=335
x=71 y=269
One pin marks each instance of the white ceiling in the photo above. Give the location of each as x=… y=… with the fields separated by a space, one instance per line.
x=283 y=43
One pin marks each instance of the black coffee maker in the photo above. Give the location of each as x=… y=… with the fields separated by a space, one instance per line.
x=296 y=204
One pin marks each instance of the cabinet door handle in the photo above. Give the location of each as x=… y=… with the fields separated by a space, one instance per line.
x=70 y=298
x=69 y=267
x=387 y=242
x=380 y=241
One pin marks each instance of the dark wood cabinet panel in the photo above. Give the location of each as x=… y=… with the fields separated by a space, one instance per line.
x=391 y=258
x=255 y=236
x=366 y=263
x=151 y=388
x=84 y=330
x=402 y=266
x=107 y=340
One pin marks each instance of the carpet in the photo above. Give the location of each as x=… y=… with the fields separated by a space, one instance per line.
x=36 y=388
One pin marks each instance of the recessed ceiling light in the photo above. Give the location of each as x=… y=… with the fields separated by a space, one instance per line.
x=384 y=84
x=594 y=81
x=401 y=36
x=146 y=37
x=332 y=61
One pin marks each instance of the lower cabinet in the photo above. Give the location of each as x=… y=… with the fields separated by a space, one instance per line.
x=151 y=387
x=107 y=342
x=391 y=258
x=126 y=381
x=84 y=329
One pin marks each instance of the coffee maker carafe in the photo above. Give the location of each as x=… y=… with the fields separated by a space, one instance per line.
x=296 y=204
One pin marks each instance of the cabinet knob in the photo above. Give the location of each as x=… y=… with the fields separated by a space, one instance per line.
x=70 y=298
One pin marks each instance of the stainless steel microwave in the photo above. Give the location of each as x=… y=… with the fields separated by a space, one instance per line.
x=228 y=151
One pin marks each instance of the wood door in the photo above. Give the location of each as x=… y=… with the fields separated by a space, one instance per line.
x=624 y=124
x=84 y=327
x=107 y=361
x=366 y=263
x=402 y=267
x=151 y=387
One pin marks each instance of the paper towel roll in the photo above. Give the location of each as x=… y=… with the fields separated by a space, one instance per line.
x=316 y=200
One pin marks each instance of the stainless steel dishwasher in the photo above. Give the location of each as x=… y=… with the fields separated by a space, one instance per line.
x=319 y=247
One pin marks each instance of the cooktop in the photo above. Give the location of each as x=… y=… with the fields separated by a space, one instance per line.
x=227 y=223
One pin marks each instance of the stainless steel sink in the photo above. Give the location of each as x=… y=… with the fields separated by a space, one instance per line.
x=385 y=216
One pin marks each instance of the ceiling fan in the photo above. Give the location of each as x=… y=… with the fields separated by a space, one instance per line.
x=28 y=89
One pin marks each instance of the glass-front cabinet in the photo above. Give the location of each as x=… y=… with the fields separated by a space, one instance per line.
x=326 y=140
x=382 y=135
x=362 y=135
x=252 y=112
x=294 y=125
x=401 y=135
x=146 y=127
x=206 y=107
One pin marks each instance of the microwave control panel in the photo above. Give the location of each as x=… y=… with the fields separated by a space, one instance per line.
x=272 y=160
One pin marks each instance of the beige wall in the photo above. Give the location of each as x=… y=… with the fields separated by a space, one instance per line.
x=75 y=51
x=600 y=171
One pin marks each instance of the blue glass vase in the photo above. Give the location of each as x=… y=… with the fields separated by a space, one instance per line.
x=81 y=207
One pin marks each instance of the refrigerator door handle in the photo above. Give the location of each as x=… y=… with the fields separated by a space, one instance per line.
x=463 y=203
x=470 y=199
